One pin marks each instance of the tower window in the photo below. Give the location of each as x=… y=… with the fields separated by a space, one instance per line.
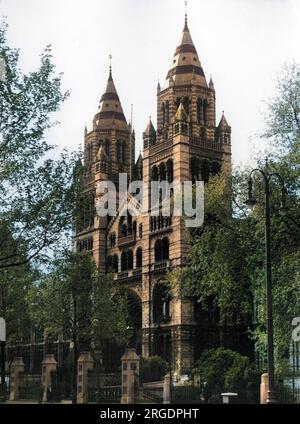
x=161 y=250
x=139 y=258
x=183 y=58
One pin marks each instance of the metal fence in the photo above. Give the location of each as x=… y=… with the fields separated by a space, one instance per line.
x=30 y=387
x=110 y=394
x=287 y=395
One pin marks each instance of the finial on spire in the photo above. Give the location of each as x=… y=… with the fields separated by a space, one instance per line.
x=185 y=16
x=110 y=68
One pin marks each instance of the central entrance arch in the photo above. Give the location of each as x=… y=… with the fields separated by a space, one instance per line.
x=112 y=352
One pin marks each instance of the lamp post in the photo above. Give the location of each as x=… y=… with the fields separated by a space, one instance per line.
x=250 y=202
x=2 y=355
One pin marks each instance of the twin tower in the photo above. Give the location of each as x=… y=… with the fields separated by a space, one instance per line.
x=140 y=250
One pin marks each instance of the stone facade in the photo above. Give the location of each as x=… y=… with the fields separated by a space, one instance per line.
x=187 y=145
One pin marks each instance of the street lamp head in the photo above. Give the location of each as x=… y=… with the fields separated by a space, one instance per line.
x=250 y=202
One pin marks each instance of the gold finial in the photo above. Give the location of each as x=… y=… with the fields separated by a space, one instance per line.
x=110 y=58
x=186 y=6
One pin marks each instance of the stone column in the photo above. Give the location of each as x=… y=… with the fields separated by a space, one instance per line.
x=49 y=364
x=84 y=364
x=264 y=387
x=167 y=389
x=17 y=367
x=130 y=376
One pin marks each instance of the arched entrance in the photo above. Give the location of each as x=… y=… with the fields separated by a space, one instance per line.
x=112 y=352
x=161 y=316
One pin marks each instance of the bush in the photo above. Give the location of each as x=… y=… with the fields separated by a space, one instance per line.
x=153 y=369
x=224 y=370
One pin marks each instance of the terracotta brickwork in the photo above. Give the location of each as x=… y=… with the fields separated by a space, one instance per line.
x=186 y=145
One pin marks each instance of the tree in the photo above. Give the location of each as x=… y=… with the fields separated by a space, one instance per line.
x=36 y=191
x=153 y=368
x=76 y=302
x=224 y=370
x=227 y=256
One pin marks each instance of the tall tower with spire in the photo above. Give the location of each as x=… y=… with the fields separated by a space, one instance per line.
x=109 y=149
x=141 y=250
x=186 y=146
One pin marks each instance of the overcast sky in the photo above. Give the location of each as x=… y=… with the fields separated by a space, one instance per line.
x=241 y=43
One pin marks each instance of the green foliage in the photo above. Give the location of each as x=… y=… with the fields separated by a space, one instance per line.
x=227 y=257
x=223 y=370
x=75 y=301
x=153 y=368
x=36 y=191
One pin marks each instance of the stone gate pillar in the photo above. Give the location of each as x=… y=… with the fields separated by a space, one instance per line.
x=49 y=364
x=17 y=367
x=84 y=364
x=264 y=387
x=167 y=389
x=130 y=376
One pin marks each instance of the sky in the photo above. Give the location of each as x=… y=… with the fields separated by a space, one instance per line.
x=241 y=43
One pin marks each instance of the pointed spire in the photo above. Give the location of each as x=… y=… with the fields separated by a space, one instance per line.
x=181 y=114
x=150 y=130
x=223 y=124
x=139 y=161
x=110 y=108
x=186 y=61
x=158 y=87
x=85 y=130
x=211 y=84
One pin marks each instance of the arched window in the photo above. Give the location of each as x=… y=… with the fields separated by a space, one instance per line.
x=215 y=168
x=134 y=229
x=112 y=240
x=154 y=173
x=140 y=230
x=203 y=134
x=186 y=104
x=205 y=112
x=200 y=111
x=170 y=171
x=120 y=151
x=115 y=263
x=157 y=251
x=165 y=249
x=129 y=223
x=129 y=259
x=177 y=102
x=161 y=303
x=162 y=172
x=89 y=153
x=205 y=171
x=167 y=112
x=124 y=261
x=109 y=263
x=139 y=258
x=123 y=150
x=195 y=169
x=163 y=108
x=107 y=147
